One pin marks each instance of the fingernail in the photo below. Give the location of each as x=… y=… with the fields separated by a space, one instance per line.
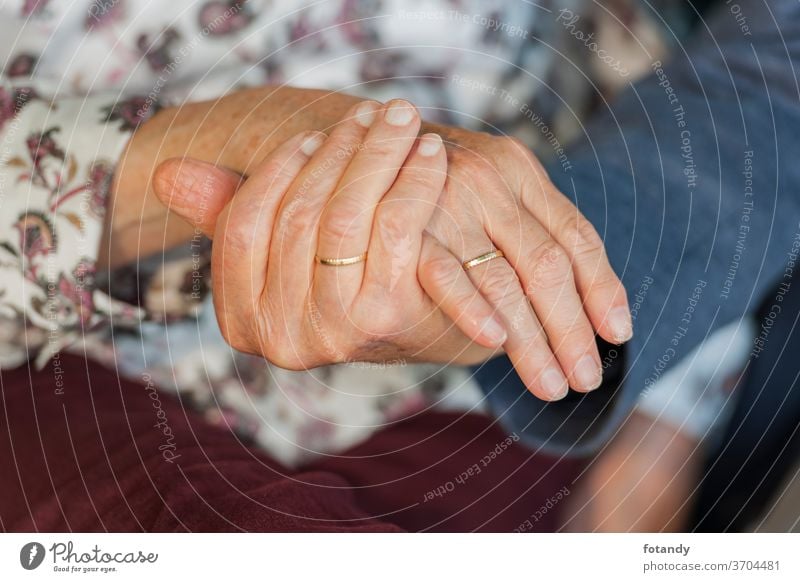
x=494 y=332
x=312 y=144
x=400 y=113
x=430 y=144
x=554 y=384
x=619 y=319
x=365 y=113
x=588 y=373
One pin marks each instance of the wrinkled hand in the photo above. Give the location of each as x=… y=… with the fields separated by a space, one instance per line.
x=555 y=288
x=552 y=290
x=371 y=186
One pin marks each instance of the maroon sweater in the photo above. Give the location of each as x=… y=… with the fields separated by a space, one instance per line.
x=86 y=451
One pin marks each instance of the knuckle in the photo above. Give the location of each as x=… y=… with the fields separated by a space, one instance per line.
x=570 y=330
x=509 y=207
x=344 y=143
x=528 y=332
x=294 y=220
x=500 y=284
x=235 y=230
x=605 y=278
x=321 y=339
x=377 y=149
x=234 y=240
x=440 y=272
x=284 y=357
x=339 y=220
x=235 y=339
x=232 y=332
x=579 y=340
x=549 y=267
x=415 y=179
x=466 y=304
x=282 y=347
x=337 y=151
x=279 y=172
x=582 y=236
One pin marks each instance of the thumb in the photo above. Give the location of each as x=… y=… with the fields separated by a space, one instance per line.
x=194 y=190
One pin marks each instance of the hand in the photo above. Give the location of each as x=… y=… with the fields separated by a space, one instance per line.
x=555 y=287
x=473 y=220
x=272 y=298
x=234 y=131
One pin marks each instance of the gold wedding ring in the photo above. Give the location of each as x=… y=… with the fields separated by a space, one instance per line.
x=484 y=258
x=341 y=262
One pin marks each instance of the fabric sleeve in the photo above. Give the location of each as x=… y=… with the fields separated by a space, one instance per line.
x=56 y=168
x=690 y=176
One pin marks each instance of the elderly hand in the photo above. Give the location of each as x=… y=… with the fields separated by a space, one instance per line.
x=553 y=287
x=274 y=299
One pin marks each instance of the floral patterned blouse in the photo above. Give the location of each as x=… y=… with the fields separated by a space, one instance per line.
x=79 y=76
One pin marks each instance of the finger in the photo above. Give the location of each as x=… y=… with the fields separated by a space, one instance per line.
x=527 y=346
x=295 y=235
x=347 y=220
x=398 y=222
x=400 y=219
x=195 y=190
x=242 y=238
x=448 y=285
x=604 y=297
x=545 y=271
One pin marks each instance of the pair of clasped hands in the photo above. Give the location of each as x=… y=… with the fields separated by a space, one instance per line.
x=372 y=243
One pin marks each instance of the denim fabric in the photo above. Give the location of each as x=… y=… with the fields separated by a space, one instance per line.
x=662 y=174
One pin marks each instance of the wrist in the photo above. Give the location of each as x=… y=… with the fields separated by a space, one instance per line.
x=136 y=222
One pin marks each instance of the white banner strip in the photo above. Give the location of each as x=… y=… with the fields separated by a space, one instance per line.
x=389 y=557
